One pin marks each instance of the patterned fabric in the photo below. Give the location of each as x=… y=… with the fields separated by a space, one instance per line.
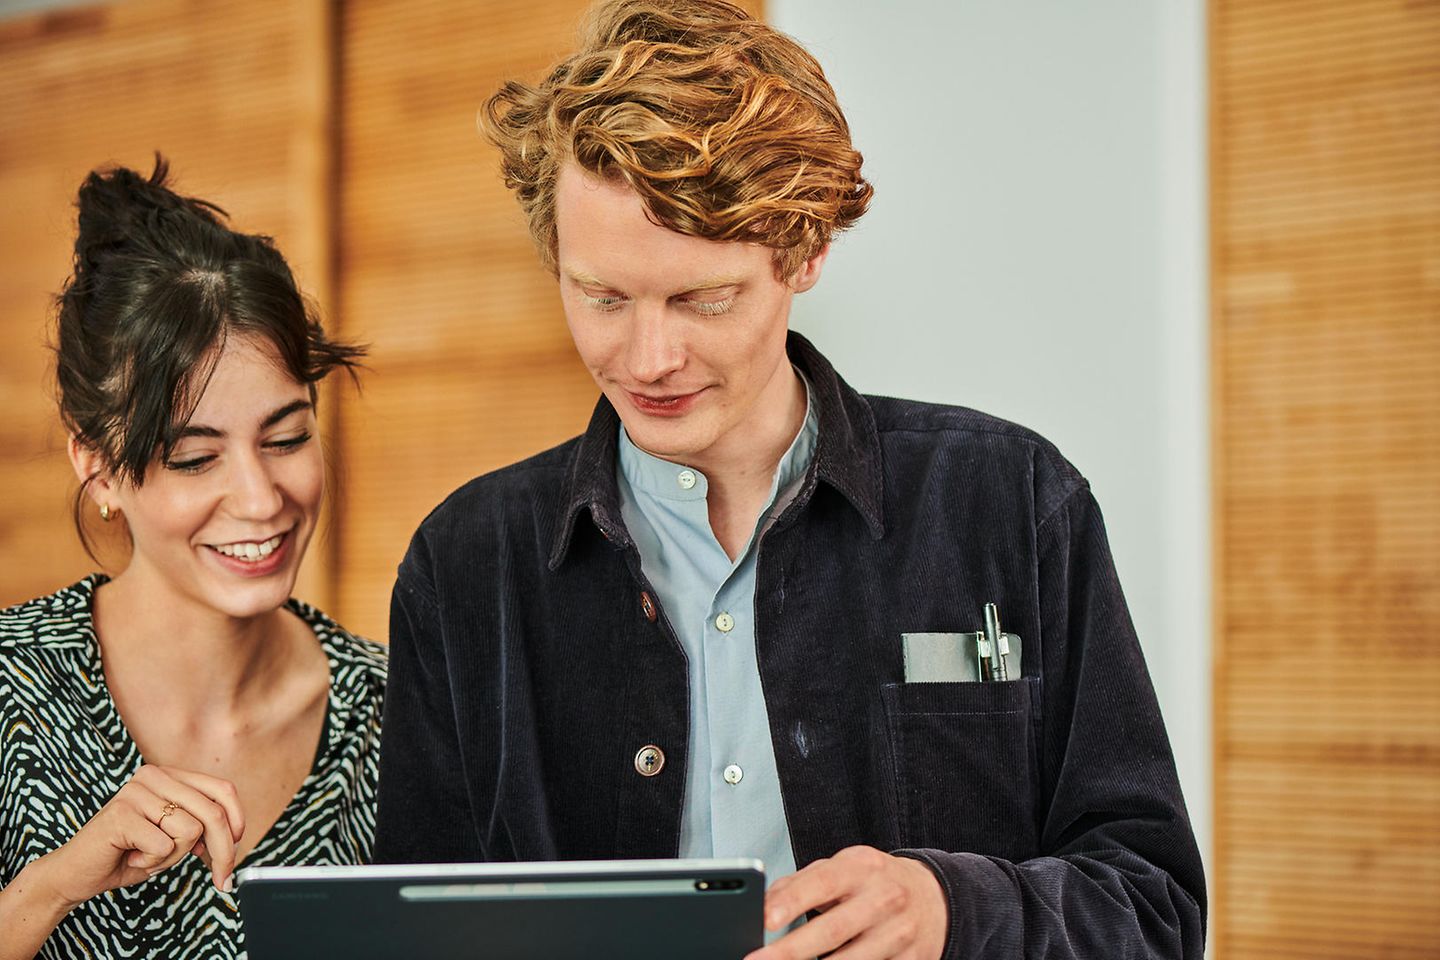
x=64 y=752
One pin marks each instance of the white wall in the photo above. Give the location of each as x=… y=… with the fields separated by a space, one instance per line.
x=1037 y=249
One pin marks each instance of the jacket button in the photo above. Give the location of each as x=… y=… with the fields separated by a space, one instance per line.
x=648 y=606
x=649 y=761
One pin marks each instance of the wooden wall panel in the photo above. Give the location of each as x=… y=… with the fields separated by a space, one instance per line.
x=473 y=365
x=236 y=93
x=1326 y=259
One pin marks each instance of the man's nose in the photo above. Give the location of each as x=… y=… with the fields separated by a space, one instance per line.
x=655 y=349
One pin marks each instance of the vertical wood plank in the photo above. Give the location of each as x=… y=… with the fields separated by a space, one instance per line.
x=1326 y=297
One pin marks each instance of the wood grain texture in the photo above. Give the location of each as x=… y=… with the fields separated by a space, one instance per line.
x=1326 y=297
x=473 y=366
x=236 y=93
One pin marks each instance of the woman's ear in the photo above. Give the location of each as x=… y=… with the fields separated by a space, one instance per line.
x=94 y=474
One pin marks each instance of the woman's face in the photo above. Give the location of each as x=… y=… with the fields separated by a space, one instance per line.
x=224 y=522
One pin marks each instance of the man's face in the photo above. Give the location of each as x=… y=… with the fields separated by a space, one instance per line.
x=685 y=336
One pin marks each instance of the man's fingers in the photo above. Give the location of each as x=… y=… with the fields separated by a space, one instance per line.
x=877 y=906
x=878 y=943
x=820 y=884
x=827 y=932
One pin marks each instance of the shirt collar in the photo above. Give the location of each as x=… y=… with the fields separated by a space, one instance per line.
x=846 y=456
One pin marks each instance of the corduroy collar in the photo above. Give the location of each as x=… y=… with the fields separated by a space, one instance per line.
x=847 y=456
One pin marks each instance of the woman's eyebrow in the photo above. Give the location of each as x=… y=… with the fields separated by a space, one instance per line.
x=199 y=430
x=284 y=412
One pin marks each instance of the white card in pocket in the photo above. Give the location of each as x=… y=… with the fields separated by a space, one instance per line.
x=949 y=657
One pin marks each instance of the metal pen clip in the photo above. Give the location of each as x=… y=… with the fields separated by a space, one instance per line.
x=992 y=648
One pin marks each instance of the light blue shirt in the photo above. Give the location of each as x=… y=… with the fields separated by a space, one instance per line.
x=732 y=791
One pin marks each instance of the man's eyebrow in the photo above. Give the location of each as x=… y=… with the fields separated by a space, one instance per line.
x=714 y=283
x=195 y=430
x=585 y=279
x=707 y=283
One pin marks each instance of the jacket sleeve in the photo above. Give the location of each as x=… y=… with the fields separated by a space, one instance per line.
x=1119 y=874
x=423 y=814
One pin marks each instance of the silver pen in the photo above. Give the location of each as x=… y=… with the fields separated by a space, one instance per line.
x=993 y=647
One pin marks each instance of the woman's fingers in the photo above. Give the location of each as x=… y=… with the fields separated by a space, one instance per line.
x=151 y=823
x=214 y=818
x=148 y=843
x=183 y=829
x=220 y=791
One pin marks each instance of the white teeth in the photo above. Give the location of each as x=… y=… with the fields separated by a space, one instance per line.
x=250 y=552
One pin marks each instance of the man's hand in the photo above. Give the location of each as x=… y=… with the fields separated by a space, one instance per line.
x=873 y=906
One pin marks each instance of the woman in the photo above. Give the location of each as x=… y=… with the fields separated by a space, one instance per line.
x=161 y=728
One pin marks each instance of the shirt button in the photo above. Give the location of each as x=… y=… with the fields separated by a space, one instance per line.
x=650 y=760
x=724 y=623
x=733 y=774
x=686 y=479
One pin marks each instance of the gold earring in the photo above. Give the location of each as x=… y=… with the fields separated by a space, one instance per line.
x=105 y=512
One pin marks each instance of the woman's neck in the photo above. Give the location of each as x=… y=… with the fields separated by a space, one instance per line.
x=162 y=650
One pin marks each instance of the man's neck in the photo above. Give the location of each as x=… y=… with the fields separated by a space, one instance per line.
x=739 y=484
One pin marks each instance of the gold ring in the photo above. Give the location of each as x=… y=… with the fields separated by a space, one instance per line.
x=170 y=807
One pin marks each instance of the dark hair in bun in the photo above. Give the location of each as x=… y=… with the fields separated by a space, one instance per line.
x=159 y=284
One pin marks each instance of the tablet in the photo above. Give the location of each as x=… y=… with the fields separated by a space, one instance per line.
x=635 y=909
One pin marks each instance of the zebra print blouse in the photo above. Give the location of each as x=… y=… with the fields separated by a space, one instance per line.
x=64 y=752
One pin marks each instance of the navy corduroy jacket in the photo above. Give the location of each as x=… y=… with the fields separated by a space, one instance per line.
x=530 y=662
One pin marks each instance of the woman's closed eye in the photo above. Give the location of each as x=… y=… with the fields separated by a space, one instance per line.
x=184 y=463
x=286 y=444
x=189 y=464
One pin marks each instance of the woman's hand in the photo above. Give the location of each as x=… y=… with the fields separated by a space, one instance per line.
x=161 y=815
x=873 y=905
x=157 y=818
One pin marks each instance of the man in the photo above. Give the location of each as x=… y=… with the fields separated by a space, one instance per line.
x=681 y=633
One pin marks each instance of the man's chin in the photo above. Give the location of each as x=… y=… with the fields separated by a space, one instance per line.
x=676 y=445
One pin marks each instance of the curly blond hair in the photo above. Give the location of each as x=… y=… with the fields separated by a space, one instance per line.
x=725 y=127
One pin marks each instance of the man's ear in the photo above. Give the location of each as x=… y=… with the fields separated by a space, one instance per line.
x=90 y=466
x=808 y=273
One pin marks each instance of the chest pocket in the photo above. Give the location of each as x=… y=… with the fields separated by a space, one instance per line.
x=965 y=765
